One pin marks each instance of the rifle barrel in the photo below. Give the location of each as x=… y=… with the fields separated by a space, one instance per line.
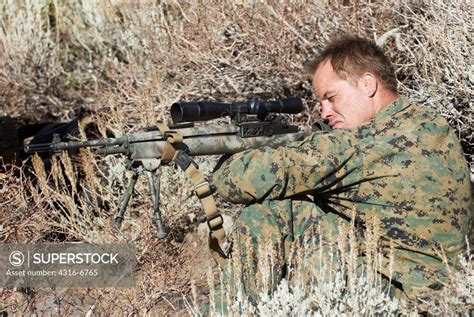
x=60 y=146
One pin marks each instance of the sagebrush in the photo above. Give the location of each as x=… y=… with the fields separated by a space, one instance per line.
x=127 y=61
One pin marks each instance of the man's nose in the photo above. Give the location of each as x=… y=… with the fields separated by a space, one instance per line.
x=326 y=110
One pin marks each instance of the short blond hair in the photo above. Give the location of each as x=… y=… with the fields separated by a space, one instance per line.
x=351 y=56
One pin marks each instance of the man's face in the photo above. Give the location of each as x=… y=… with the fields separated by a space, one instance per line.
x=344 y=104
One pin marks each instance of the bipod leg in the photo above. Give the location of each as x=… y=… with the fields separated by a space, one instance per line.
x=125 y=199
x=154 y=185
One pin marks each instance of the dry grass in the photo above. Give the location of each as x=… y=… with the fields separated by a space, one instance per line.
x=129 y=60
x=346 y=283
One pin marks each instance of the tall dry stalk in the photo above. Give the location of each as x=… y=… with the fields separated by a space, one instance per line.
x=129 y=60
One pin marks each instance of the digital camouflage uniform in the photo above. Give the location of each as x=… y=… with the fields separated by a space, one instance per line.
x=404 y=167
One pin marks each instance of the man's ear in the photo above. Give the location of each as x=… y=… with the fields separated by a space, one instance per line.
x=369 y=84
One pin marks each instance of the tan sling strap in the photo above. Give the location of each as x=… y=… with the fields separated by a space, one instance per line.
x=202 y=188
x=203 y=191
x=172 y=137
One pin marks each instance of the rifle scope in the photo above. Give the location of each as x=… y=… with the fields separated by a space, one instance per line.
x=208 y=110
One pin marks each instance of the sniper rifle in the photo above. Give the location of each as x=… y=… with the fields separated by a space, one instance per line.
x=254 y=123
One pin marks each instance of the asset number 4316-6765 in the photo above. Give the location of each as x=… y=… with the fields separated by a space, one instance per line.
x=82 y=272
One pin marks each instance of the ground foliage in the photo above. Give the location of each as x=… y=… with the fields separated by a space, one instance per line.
x=128 y=61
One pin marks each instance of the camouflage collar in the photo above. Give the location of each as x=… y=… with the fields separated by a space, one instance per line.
x=388 y=111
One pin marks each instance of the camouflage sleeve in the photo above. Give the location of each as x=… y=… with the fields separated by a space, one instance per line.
x=293 y=169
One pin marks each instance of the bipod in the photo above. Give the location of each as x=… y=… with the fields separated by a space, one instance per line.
x=150 y=167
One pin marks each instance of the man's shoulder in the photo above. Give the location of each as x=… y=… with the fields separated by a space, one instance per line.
x=422 y=110
x=407 y=115
x=428 y=119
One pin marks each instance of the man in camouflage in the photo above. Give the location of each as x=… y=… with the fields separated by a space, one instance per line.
x=386 y=158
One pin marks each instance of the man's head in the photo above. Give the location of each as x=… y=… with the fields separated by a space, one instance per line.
x=353 y=80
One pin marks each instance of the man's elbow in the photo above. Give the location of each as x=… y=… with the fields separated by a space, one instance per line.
x=230 y=191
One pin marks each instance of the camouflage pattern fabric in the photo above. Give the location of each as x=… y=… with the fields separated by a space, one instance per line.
x=405 y=167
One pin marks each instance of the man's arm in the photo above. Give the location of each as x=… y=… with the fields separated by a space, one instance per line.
x=320 y=161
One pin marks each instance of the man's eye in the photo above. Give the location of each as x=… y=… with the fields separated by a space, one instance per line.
x=331 y=98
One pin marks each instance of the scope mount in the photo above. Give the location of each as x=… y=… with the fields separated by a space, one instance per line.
x=253 y=127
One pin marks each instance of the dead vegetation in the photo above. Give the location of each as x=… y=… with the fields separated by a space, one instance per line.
x=129 y=60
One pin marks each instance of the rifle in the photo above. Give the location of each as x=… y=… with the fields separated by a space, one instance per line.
x=254 y=123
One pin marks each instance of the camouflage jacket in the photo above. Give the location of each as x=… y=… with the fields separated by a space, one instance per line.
x=405 y=167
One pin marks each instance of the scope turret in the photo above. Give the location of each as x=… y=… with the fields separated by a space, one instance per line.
x=208 y=110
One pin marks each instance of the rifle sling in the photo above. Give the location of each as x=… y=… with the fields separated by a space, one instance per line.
x=203 y=191
x=172 y=137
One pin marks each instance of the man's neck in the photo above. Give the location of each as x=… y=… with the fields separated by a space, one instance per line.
x=384 y=99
